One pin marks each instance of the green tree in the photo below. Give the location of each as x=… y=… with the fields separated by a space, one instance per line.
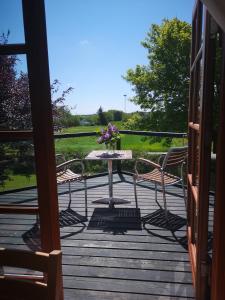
x=102 y=120
x=162 y=86
x=15 y=114
x=64 y=118
x=117 y=115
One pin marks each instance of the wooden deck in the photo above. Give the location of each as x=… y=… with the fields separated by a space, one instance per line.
x=113 y=255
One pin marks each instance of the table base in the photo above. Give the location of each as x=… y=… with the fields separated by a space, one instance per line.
x=111 y=201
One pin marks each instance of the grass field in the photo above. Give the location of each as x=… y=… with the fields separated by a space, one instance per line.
x=80 y=146
x=18 y=181
x=86 y=144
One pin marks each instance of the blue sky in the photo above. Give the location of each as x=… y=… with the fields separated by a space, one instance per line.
x=92 y=43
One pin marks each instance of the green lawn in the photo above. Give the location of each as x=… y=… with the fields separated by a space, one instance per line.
x=80 y=146
x=86 y=144
x=18 y=181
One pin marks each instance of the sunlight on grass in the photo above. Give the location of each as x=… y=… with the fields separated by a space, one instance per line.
x=18 y=181
x=80 y=146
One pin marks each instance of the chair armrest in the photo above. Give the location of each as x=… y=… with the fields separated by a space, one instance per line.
x=161 y=159
x=147 y=162
x=68 y=163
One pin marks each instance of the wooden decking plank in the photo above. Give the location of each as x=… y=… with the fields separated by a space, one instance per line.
x=127 y=274
x=129 y=286
x=150 y=263
x=143 y=264
x=172 y=256
x=129 y=237
x=123 y=245
x=101 y=295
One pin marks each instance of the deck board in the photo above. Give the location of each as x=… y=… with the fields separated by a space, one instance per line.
x=116 y=263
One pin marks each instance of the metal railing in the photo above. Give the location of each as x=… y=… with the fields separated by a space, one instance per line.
x=27 y=135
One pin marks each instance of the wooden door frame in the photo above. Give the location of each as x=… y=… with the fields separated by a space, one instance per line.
x=35 y=48
x=218 y=258
x=41 y=108
x=198 y=246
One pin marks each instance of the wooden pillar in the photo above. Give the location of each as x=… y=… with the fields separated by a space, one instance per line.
x=206 y=100
x=218 y=258
x=41 y=108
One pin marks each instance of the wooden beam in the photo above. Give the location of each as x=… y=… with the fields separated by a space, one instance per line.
x=192 y=253
x=10 y=136
x=13 y=49
x=26 y=210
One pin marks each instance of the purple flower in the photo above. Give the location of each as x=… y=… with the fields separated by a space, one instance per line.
x=112 y=128
x=115 y=129
x=109 y=135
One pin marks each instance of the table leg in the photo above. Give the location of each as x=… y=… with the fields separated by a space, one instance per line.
x=110 y=174
x=111 y=201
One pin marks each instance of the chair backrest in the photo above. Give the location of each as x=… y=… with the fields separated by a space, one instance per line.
x=175 y=157
x=21 y=287
x=60 y=158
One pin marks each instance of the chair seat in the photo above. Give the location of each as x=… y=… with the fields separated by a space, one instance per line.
x=67 y=176
x=155 y=176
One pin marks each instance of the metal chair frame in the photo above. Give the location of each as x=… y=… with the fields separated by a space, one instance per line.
x=65 y=175
x=175 y=157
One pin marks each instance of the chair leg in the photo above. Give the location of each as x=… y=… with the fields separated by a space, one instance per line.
x=70 y=197
x=164 y=200
x=85 y=192
x=185 y=200
x=156 y=195
x=135 y=191
x=182 y=182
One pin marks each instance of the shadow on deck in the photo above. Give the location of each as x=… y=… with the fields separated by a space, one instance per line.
x=121 y=253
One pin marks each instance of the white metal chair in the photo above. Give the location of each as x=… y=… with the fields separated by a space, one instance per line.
x=175 y=157
x=65 y=175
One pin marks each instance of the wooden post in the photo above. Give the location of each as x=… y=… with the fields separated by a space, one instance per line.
x=41 y=109
x=206 y=100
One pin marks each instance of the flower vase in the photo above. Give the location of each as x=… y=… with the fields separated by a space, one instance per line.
x=111 y=148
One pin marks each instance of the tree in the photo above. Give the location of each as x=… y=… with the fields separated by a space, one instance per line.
x=117 y=115
x=15 y=114
x=15 y=108
x=64 y=118
x=101 y=117
x=162 y=86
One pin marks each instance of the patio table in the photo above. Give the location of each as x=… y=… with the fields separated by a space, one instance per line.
x=110 y=156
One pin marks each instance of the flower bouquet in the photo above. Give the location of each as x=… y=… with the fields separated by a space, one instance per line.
x=109 y=136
